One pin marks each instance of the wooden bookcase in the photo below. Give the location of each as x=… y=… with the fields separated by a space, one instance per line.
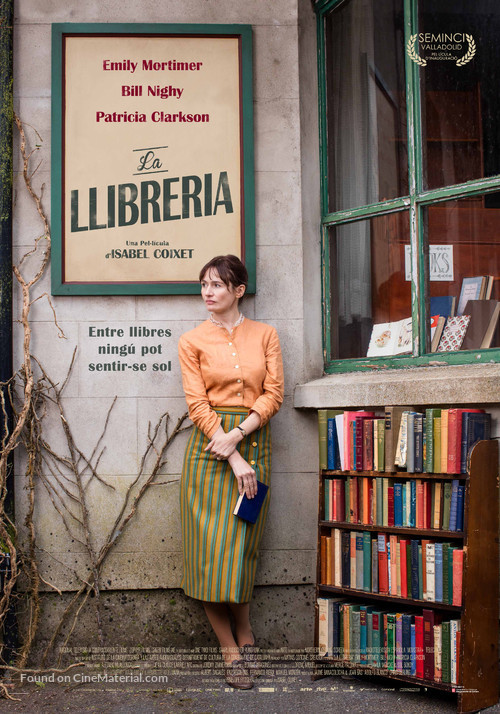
x=478 y=659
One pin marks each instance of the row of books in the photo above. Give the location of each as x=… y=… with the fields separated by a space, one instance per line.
x=420 y=569
x=469 y=325
x=383 y=501
x=419 y=645
x=434 y=441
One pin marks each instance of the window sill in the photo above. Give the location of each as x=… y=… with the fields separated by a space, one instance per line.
x=449 y=384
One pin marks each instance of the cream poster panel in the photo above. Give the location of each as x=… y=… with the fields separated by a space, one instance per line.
x=152 y=157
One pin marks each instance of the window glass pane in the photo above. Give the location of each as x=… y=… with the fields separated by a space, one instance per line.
x=366 y=110
x=369 y=285
x=460 y=103
x=464 y=252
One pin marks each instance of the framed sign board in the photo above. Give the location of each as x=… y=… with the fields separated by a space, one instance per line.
x=152 y=156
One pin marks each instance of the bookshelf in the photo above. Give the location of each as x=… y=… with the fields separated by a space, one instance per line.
x=477 y=612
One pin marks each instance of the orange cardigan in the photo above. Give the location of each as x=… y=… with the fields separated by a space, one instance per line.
x=238 y=369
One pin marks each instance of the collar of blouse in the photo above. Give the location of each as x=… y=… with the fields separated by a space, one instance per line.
x=219 y=324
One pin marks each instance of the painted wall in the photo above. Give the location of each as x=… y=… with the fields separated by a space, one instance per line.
x=149 y=553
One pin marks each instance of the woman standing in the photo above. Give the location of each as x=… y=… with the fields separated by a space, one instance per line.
x=232 y=375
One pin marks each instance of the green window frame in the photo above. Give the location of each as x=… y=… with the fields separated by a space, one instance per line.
x=416 y=202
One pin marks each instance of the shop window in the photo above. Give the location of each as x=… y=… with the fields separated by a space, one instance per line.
x=410 y=151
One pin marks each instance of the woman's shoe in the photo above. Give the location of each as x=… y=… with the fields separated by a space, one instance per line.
x=251 y=658
x=237 y=675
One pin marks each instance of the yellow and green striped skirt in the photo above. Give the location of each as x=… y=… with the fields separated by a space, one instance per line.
x=221 y=550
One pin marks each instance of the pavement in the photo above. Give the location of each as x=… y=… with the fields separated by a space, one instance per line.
x=153 y=685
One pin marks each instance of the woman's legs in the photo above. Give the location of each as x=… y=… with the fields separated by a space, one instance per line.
x=241 y=613
x=218 y=616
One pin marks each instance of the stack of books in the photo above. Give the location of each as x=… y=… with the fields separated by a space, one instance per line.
x=425 y=645
x=388 y=564
x=434 y=441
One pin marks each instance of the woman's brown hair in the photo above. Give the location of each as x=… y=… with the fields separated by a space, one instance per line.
x=230 y=268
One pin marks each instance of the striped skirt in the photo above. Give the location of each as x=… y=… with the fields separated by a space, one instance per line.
x=221 y=550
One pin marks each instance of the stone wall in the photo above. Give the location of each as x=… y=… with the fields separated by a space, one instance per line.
x=148 y=556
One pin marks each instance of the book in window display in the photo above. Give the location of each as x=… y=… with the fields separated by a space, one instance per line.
x=391 y=338
x=453 y=333
x=483 y=323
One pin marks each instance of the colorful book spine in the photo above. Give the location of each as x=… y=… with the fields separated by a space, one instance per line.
x=430 y=416
x=454 y=505
x=418 y=430
x=458 y=568
x=436 y=467
x=444 y=441
x=367 y=561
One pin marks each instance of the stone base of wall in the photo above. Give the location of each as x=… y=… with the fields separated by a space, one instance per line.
x=282 y=616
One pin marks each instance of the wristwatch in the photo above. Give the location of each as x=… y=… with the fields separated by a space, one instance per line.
x=242 y=430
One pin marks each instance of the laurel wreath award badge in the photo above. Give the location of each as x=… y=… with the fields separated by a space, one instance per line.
x=461 y=61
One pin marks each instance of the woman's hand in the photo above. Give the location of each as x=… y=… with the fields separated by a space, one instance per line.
x=244 y=473
x=222 y=445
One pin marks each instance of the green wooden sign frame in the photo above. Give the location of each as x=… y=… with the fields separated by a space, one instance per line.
x=244 y=35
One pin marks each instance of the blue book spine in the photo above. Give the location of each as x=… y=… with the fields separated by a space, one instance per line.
x=398 y=504
x=463 y=450
x=399 y=642
x=363 y=634
x=331 y=433
x=420 y=574
x=438 y=571
x=474 y=428
x=336 y=628
x=414 y=569
x=460 y=507
x=406 y=643
x=453 y=505
x=413 y=503
x=404 y=504
x=413 y=652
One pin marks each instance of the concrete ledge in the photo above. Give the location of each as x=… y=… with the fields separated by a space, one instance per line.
x=463 y=384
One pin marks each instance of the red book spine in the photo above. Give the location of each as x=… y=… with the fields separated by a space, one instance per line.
x=390 y=506
x=452 y=440
x=419 y=645
x=352 y=434
x=431 y=618
x=383 y=570
x=366 y=500
x=359 y=443
x=427 y=504
x=376 y=657
x=368 y=444
x=458 y=569
x=323 y=559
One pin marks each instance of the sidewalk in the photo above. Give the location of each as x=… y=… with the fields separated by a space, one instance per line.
x=193 y=694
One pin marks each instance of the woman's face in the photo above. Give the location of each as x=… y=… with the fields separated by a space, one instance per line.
x=217 y=296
